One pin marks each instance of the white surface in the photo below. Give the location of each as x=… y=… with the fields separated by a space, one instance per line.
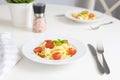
x=99 y=15
x=28 y=49
x=85 y=68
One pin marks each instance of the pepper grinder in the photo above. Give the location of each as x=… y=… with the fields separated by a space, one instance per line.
x=39 y=22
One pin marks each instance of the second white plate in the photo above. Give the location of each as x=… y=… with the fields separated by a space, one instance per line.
x=99 y=15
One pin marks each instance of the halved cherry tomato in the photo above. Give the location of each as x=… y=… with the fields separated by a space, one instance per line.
x=91 y=15
x=72 y=51
x=38 y=50
x=56 y=56
x=48 y=41
x=49 y=45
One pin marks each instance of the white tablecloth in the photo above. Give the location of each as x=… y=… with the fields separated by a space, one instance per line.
x=85 y=68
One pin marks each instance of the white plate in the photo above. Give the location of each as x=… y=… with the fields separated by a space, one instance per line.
x=29 y=46
x=99 y=15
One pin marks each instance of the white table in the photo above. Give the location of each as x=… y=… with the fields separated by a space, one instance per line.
x=85 y=68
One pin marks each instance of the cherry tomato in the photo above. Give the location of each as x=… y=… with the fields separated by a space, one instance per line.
x=49 y=45
x=91 y=15
x=38 y=49
x=56 y=56
x=48 y=41
x=72 y=51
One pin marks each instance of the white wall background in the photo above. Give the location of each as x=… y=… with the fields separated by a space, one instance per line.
x=81 y=3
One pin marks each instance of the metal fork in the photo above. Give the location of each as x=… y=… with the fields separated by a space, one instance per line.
x=97 y=27
x=100 y=50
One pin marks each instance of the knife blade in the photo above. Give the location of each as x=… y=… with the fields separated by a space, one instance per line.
x=99 y=65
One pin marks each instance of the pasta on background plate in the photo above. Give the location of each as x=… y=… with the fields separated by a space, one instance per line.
x=55 y=49
x=84 y=15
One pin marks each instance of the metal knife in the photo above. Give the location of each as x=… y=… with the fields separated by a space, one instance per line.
x=99 y=65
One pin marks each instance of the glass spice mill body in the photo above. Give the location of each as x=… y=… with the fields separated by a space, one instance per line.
x=39 y=23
